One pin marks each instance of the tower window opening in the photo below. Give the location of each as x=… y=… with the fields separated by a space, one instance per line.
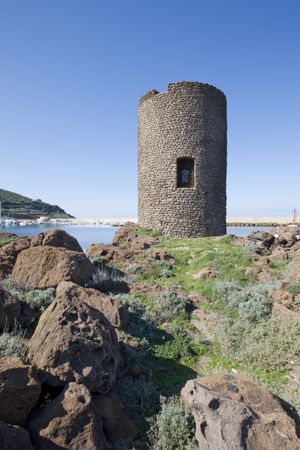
x=185 y=172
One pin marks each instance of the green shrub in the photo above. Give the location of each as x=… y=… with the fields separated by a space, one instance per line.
x=174 y=348
x=140 y=322
x=15 y=289
x=158 y=269
x=141 y=398
x=134 y=269
x=166 y=269
x=146 y=315
x=173 y=428
x=251 y=302
x=37 y=299
x=168 y=306
x=270 y=344
x=293 y=288
x=11 y=344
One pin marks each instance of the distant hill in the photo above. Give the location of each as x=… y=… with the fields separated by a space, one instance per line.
x=20 y=207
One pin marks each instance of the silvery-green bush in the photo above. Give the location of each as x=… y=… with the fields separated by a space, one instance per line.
x=173 y=428
x=271 y=343
x=38 y=299
x=11 y=344
x=252 y=302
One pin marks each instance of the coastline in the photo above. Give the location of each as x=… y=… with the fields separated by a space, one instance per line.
x=120 y=221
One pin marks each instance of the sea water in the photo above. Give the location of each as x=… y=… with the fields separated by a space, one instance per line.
x=87 y=235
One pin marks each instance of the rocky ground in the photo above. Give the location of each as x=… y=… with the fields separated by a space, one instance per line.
x=150 y=342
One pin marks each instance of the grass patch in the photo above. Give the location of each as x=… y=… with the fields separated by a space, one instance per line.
x=243 y=336
x=147 y=232
x=293 y=288
x=5 y=240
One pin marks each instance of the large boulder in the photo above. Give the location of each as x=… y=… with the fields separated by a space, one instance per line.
x=74 y=342
x=68 y=422
x=128 y=236
x=287 y=236
x=10 y=309
x=56 y=238
x=235 y=412
x=13 y=437
x=9 y=253
x=109 y=254
x=113 y=310
x=19 y=390
x=127 y=244
x=43 y=267
x=264 y=242
x=117 y=425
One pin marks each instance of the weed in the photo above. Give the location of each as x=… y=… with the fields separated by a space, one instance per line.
x=107 y=279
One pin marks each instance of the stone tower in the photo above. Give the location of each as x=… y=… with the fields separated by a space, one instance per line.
x=182 y=160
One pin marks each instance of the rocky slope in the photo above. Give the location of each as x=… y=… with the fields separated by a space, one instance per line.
x=20 y=207
x=153 y=343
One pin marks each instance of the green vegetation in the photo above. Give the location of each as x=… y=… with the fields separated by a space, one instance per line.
x=250 y=302
x=293 y=288
x=20 y=207
x=5 y=240
x=141 y=397
x=37 y=299
x=107 y=279
x=11 y=344
x=173 y=428
x=239 y=333
x=147 y=232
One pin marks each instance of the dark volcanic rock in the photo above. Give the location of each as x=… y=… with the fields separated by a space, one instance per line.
x=19 y=390
x=13 y=437
x=113 y=310
x=42 y=267
x=74 y=342
x=56 y=238
x=9 y=253
x=68 y=422
x=235 y=412
x=117 y=425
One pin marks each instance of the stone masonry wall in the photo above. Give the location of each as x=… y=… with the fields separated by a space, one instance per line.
x=187 y=121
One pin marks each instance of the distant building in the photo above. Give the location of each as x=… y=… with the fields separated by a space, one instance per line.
x=182 y=160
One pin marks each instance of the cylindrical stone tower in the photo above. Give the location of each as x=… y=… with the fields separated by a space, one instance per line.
x=182 y=160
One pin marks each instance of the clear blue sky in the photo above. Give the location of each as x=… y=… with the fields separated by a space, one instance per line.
x=71 y=73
